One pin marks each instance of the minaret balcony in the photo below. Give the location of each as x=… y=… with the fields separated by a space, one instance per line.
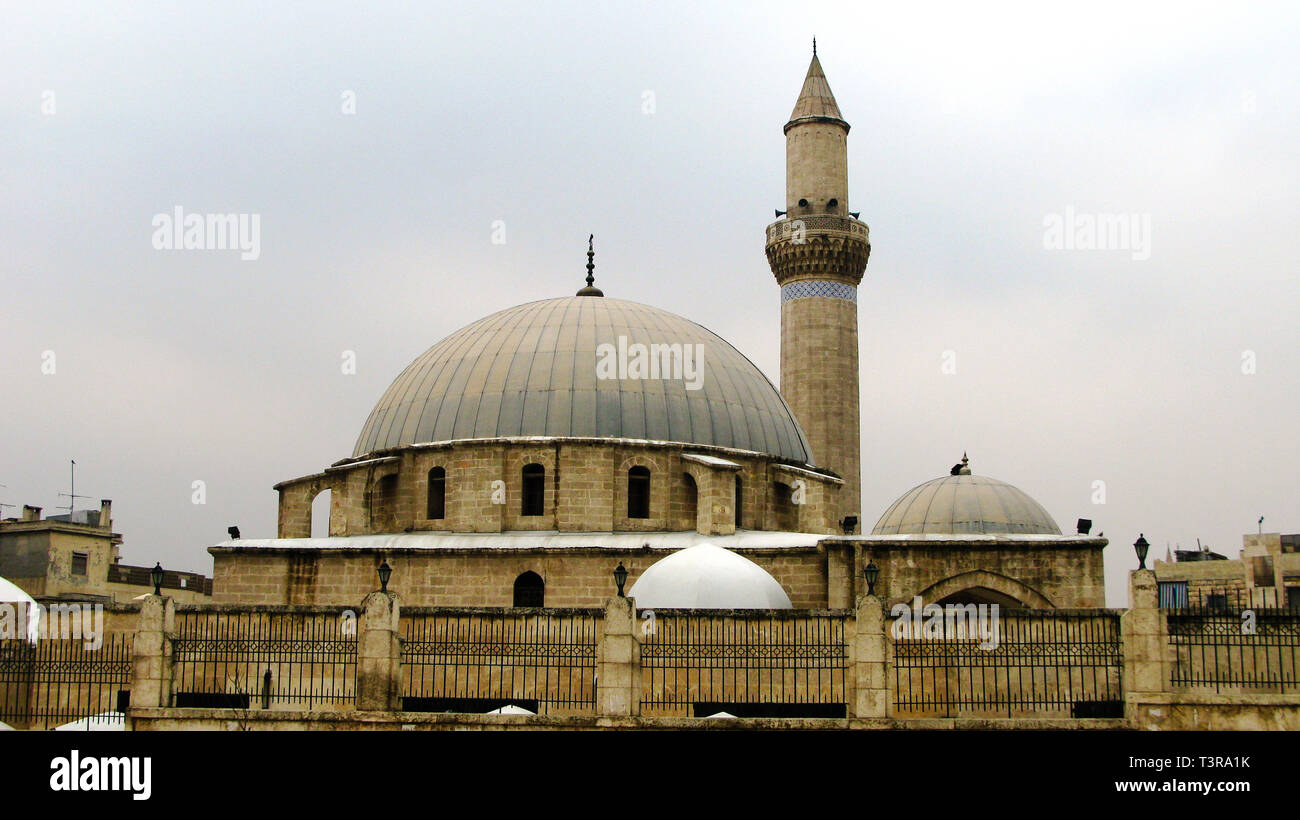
x=794 y=227
x=821 y=246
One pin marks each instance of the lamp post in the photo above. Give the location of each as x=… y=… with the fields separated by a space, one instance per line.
x=872 y=572
x=620 y=578
x=156 y=578
x=1141 y=546
x=385 y=572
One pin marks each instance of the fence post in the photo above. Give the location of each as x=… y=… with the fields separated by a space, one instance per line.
x=379 y=654
x=151 y=653
x=871 y=696
x=1144 y=635
x=618 y=690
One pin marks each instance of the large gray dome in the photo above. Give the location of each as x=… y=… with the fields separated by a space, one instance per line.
x=965 y=505
x=531 y=371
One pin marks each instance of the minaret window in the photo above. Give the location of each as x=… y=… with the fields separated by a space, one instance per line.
x=832 y=204
x=437 y=493
x=530 y=590
x=803 y=203
x=534 y=496
x=638 y=492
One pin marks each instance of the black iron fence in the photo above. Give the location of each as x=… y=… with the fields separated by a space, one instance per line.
x=479 y=660
x=57 y=681
x=769 y=663
x=257 y=657
x=1221 y=642
x=1024 y=663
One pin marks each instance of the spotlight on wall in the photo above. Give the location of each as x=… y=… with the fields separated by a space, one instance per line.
x=1085 y=526
x=849 y=524
x=1141 y=546
x=620 y=578
x=234 y=531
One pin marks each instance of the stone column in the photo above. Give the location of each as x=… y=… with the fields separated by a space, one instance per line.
x=870 y=661
x=379 y=654
x=618 y=690
x=1144 y=636
x=151 y=653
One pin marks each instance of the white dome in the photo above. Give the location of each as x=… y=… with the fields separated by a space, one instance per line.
x=707 y=577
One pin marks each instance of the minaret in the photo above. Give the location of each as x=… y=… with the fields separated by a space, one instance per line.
x=818 y=253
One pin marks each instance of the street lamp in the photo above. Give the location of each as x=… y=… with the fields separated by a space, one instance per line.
x=1141 y=546
x=385 y=572
x=872 y=572
x=620 y=578
x=156 y=578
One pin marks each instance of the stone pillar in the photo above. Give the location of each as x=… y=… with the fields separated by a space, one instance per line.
x=870 y=661
x=151 y=653
x=379 y=654
x=1144 y=637
x=618 y=690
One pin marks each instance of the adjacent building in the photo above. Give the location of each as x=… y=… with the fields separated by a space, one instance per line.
x=1267 y=574
x=75 y=557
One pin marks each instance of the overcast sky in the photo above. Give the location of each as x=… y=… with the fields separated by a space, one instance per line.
x=973 y=128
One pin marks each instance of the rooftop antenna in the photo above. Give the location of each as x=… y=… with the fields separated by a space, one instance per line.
x=72 y=492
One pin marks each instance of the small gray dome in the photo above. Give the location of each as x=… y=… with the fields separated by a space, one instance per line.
x=531 y=371
x=965 y=505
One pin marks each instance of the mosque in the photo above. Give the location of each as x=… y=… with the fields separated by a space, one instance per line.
x=515 y=463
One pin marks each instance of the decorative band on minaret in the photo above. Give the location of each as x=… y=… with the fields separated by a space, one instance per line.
x=818 y=253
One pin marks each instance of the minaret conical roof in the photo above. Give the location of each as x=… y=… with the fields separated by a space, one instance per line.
x=816 y=102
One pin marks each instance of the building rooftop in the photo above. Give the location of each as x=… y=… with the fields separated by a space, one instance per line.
x=532 y=370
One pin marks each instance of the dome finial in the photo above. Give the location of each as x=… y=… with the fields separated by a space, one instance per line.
x=814 y=46
x=591 y=289
x=963 y=468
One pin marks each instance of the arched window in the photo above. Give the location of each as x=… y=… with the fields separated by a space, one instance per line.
x=437 y=493
x=691 y=500
x=385 y=502
x=638 y=492
x=320 y=514
x=530 y=590
x=740 y=500
x=832 y=204
x=534 y=495
x=784 y=506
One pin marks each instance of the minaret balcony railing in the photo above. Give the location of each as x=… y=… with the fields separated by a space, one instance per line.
x=791 y=228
